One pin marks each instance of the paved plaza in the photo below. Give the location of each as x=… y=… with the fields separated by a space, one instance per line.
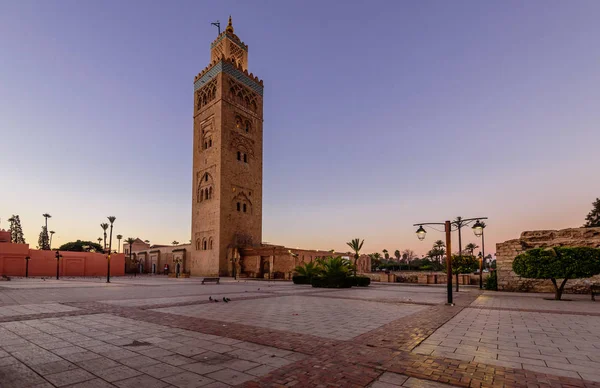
x=160 y=332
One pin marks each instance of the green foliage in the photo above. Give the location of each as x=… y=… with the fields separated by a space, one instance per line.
x=464 y=264
x=491 y=282
x=44 y=240
x=78 y=246
x=558 y=263
x=16 y=232
x=301 y=279
x=308 y=270
x=356 y=245
x=333 y=272
x=361 y=281
x=593 y=217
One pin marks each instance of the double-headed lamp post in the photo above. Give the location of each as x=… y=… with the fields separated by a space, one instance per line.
x=421 y=233
x=478 y=230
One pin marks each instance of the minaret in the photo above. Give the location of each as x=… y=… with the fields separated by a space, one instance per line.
x=227 y=157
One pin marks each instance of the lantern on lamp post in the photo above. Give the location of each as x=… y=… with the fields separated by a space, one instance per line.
x=478 y=230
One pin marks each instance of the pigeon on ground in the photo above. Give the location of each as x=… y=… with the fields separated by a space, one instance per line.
x=210 y=298
x=225 y=300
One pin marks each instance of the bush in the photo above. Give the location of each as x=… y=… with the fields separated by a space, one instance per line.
x=491 y=282
x=300 y=279
x=558 y=263
x=361 y=281
x=341 y=282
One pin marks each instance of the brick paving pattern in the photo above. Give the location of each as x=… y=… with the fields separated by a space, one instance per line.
x=159 y=332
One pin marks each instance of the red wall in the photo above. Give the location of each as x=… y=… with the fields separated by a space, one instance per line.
x=43 y=263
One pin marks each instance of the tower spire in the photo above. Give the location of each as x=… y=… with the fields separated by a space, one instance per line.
x=229 y=26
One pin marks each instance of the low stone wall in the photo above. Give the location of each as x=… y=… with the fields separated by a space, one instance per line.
x=508 y=250
x=422 y=277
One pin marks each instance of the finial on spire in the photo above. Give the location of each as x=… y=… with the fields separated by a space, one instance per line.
x=229 y=26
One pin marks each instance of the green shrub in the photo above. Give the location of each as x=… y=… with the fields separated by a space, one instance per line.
x=491 y=282
x=361 y=281
x=300 y=279
x=558 y=263
x=308 y=270
x=342 y=282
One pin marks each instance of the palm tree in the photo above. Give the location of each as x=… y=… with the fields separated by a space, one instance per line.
x=397 y=255
x=111 y=219
x=100 y=241
x=386 y=254
x=50 y=243
x=471 y=248
x=175 y=242
x=119 y=237
x=130 y=241
x=104 y=227
x=356 y=245
x=309 y=270
x=46 y=216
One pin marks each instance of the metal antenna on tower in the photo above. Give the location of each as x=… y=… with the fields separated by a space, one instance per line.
x=218 y=26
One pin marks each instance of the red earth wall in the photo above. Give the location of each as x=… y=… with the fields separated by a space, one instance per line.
x=43 y=263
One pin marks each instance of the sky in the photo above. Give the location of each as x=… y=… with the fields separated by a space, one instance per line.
x=377 y=115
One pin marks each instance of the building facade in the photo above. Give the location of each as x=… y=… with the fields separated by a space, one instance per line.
x=227 y=157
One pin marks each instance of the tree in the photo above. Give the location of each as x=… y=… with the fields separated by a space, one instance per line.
x=16 y=232
x=81 y=246
x=463 y=264
x=593 y=217
x=175 y=242
x=104 y=227
x=356 y=245
x=51 y=234
x=470 y=248
x=308 y=270
x=44 y=240
x=386 y=254
x=408 y=255
x=558 y=263
x=130 y=241
x=119 y=238
x=397 y=255
x=99 y=240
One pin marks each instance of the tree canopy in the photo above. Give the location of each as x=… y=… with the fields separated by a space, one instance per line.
x=78 y=246
x=593 y=217
x=558 y=263
x=16 y=232
x=464 y=264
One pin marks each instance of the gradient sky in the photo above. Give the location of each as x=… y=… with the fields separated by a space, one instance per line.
x=378 y=115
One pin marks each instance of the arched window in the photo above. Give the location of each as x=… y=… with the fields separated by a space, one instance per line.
x=210 y=192
x=210 y=243
x=244 y=208
x=205 y=145
x=205 y=245
x=245 y=158
x=209 y=143
x=238 y=122
x=206 y=193
x=206 y=177
x=238 y=206
x=239 y=155
x=198 y=244
x=247 y=126
x=201 y=195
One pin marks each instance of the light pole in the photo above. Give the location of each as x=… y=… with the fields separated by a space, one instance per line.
x=58 y=256
x=27 y=266
x=459 y=223
x=478 y=230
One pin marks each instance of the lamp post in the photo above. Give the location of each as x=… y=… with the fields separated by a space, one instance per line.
x=27 y=258
x=58 y=256
x=459 y=223
x=478 y=230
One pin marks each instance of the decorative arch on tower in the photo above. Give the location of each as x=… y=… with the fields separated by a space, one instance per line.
x=205 y=190
x=241 y=203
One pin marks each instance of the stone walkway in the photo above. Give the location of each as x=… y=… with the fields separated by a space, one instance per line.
x=160 y=332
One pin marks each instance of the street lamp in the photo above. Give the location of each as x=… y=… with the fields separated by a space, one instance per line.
x=421 y=233
x=478 y=230
x=58 y=256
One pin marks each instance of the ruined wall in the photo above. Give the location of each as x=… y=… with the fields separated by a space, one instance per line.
x=508 y=250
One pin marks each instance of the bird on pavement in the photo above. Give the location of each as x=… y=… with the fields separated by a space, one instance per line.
x=225 y=300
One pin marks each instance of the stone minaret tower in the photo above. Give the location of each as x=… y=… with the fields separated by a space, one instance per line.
x=228 y=145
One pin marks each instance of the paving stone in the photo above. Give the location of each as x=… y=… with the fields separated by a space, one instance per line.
x=69 y=377
x=260 y=370
x=419 y=383
x=120 y=372
x=230 y=376
x=144 y=381
x=381 y=384
x=176 y=360
x=202 y=368
x=139 y=361
x=240 y=365
x=94 y=383
x=97 y=364
x=161 y=370
x=17 y=375
x=393 y=378
x=53 y=367
x=188 y=380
